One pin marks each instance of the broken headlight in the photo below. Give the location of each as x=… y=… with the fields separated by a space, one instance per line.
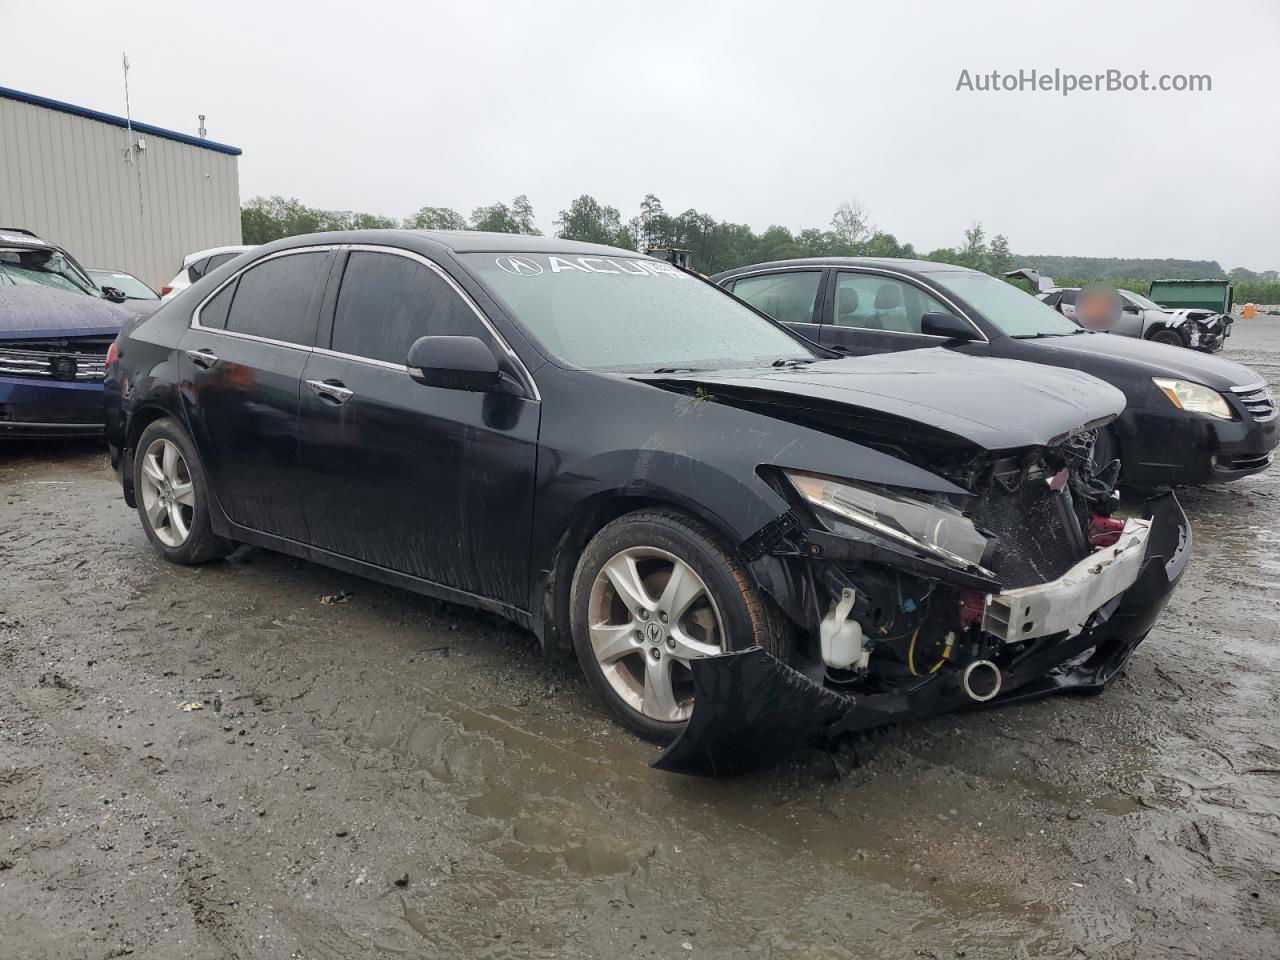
x=934 y=528
x=1194 y=397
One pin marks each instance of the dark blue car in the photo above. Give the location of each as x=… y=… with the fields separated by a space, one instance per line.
x=56 y=326
x=53 y=351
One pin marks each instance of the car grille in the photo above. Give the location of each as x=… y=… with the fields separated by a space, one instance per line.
x=1036 y=545
x=75 y=359
x=1258 y=400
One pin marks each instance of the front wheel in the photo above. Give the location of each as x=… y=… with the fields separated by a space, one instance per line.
x=653 y=591
x=173 y=496
x=1170 y=337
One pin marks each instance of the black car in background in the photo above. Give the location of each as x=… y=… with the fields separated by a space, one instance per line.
x=749 y=542
x=1189 y=419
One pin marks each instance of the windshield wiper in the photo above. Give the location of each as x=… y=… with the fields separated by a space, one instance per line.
x=793 y=361
x=678 y=370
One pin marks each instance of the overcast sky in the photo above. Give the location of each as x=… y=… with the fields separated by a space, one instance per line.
x=750 y=111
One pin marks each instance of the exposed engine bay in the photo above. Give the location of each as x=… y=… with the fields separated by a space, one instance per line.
x=919 y=602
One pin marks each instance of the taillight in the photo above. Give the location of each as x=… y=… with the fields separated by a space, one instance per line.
x=166 y=290
x=113 y=353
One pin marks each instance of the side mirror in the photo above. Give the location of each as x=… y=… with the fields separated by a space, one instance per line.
x=947 y=325
x=114 y=295
x=1131 y=308
x=453 y=363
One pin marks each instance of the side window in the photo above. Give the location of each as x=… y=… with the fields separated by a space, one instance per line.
x=214 y=262
x=1069 y=296
x=787 y=297
x=276 y=298
x=1051 y=299
x=214 y=313
x=197 y=269
x=881 y=303
x=387 y=301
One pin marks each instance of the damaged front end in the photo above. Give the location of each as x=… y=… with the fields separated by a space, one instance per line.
x=1201 y=330
x=1021 y=585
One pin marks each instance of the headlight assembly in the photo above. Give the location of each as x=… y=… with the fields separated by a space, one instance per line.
x=936 y=529
x=1194 y=397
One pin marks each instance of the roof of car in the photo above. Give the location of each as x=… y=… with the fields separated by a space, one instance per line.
x=19 y=238
x=191 y=258
x=462 y=241
x=884 y=263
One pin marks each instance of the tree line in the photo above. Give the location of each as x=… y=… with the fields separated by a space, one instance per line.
x=716 y=245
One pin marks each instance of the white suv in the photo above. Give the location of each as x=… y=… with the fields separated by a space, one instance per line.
x=196 y=265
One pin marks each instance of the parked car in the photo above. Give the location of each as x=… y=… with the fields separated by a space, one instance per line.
x=26 y=259
x=196 y=265
x=1141 y=316
x=53 y=351
x=126 y=283
x=1190 y=418
x=748 y=541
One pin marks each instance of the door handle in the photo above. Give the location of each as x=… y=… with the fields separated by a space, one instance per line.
x=330 y=390
x=203 y=357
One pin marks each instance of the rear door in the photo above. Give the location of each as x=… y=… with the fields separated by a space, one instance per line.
x=879 y=313
x=425 y=481
x=793 y=297
x=241 y=364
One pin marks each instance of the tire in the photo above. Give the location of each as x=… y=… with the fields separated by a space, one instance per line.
x=1170 y=337
x=173 y=496
x=627 y=643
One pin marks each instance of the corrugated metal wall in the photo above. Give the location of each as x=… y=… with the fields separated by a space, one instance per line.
x=67 y=179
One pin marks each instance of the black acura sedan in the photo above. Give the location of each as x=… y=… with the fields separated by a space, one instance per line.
x=750 y=543
x=1189 y=419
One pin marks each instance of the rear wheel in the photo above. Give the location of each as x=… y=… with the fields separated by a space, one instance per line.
x=653 y=591
x=172 y=496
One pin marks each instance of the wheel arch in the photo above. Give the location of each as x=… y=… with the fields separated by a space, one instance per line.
x=139 y=419
x=555 y=577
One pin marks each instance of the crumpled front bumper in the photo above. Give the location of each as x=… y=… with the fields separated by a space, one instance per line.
x=750 y=709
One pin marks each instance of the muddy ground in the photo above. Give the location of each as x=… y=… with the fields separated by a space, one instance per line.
x=391 y=776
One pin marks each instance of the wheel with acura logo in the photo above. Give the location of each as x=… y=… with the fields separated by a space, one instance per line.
x=172 y=496
x=653 y=591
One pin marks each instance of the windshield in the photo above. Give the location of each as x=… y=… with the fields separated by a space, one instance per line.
x=1017 y=313
x=1140 y=300
x=45 y=267
x=628 y=313
x=126 y=283
x=24 y=276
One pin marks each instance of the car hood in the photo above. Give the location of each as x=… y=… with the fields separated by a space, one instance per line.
x=994 y=404
x=29 y=311
x=1156 y=359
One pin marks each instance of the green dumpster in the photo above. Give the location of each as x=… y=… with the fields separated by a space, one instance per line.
x=1215 y=295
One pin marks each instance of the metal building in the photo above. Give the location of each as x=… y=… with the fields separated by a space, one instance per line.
x=135 y=200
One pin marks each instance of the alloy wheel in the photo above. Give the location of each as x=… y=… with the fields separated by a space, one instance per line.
x=168 y=493
x=649 y=615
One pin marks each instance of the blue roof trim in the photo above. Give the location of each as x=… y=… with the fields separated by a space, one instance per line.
x=71 y=108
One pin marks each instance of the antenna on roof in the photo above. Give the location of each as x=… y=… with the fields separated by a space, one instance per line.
x=202 y=131
x=134 y=147
x=128 y=119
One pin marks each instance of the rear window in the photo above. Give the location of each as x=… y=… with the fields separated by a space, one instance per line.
x=279 y=298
